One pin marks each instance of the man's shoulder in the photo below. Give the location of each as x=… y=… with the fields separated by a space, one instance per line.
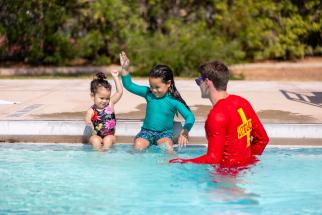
x=217 y=113
x=237 y=97
x=237 y=100
x=230 y=101
x=224 y=108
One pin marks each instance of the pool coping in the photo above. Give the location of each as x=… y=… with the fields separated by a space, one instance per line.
x=175 y=146
x=76 y=131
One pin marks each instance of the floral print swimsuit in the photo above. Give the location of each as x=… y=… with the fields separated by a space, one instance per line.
x=104 y=121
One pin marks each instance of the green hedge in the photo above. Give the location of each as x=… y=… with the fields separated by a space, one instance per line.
x=182 y=34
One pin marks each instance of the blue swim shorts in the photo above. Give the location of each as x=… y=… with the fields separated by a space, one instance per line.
x=154 y=136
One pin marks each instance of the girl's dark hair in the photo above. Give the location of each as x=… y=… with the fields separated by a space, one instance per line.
x=100 y=81
x=165 y=73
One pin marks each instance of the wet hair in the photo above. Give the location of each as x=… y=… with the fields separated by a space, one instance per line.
x=217 y=72
x=99 y=81
x=165 y=73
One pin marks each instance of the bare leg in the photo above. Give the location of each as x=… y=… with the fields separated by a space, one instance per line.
x=140 y=144
x=108 y=141
x=167 y=143
x=96 y=142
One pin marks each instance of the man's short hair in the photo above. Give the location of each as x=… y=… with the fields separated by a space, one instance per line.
x=217 y=72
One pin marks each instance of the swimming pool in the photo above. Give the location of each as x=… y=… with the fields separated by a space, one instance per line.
x=73 y=179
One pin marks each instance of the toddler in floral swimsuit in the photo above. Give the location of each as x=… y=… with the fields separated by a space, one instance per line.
x=103 y=121
x=100 y=116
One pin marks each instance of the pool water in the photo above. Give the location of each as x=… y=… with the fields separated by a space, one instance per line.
x=74 y=179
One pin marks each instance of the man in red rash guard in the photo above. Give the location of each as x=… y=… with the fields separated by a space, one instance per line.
x=234 y=132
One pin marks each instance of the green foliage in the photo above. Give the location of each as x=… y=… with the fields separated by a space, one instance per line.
x=182 y=34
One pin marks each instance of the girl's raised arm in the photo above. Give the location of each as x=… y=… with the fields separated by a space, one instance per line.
x=127 y=80
x=119 y=89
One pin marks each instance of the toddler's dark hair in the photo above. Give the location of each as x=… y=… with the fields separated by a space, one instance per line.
x=165 y=73
x=99 y=81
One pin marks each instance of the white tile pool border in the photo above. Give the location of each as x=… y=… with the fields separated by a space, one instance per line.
x=293 y=146
x=131 y=128
x=175 y=146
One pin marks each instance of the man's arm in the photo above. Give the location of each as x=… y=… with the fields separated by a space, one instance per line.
x=260 y=138
x=216 y=132
x=213 y=156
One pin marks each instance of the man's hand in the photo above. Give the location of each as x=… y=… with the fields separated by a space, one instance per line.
x=178 y=160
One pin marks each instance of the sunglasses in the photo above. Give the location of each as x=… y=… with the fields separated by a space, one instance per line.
x=199 y=80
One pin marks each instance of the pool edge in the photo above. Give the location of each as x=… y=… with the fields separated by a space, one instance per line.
x=75 y=131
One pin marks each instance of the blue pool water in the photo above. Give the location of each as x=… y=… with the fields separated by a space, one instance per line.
x=74 y=179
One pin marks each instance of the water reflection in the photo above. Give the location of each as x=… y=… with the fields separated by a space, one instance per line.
x=226 y=183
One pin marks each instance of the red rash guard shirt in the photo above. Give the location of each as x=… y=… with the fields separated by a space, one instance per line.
x=234 y=133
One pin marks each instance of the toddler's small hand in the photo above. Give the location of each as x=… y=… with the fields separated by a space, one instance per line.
x=114 y=72
x=94 y=132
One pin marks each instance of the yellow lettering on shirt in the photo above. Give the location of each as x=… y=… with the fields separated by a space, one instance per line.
x=245 y=128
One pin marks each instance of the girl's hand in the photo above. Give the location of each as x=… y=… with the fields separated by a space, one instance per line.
x=183 y=138
x=114 y=73
x=124 y=60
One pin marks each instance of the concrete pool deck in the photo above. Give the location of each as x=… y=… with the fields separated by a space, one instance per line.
x=288 y=109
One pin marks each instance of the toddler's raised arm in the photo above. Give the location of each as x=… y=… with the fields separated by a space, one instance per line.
x=119 y=88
